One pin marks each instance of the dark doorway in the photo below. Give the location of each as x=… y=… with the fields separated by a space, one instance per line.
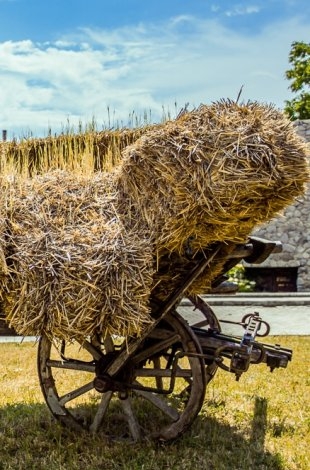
x=4 y=329
x=273 y=279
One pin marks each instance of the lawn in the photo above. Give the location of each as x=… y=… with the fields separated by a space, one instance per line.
x=260 y=422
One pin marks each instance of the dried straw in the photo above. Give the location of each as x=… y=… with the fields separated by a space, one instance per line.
x=212 y=176
x=73 y=267
x=91 y=151
x=85 y=252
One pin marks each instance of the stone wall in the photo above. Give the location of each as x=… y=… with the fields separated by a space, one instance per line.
x=293 y=230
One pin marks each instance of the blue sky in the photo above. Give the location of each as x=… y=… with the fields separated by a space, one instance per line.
x=71 y=60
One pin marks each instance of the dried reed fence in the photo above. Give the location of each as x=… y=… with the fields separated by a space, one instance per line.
x=84 y=251
x=90 y=151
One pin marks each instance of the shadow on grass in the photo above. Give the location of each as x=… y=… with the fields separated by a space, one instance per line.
x=30 y=438
x=259 y=423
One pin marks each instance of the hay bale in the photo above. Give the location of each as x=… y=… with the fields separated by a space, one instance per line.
x=210 y=176
x=70 y=266
x=87 y=253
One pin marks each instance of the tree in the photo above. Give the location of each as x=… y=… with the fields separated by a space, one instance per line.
x=299 y=58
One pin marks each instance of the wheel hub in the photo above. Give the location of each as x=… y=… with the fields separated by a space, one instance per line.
x=121 y=382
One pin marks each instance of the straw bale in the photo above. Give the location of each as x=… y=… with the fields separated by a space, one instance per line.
x=212 y=175
x=73 y=268
x=85 y=252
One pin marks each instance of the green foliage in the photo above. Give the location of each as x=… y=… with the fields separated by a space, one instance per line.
x=299 y=108
x=237 y=275
x=299 y=74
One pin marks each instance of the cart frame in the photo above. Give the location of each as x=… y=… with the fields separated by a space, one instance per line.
x=168 y=366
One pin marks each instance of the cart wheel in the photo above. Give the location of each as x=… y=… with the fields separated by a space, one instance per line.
x=157 y=395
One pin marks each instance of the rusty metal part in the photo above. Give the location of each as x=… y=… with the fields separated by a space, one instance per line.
x=263 y=326
x=225 y=346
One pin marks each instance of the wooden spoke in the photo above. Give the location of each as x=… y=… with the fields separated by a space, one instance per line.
x=76 y=393
x=157 y=393
x=159 y=380
x=71 y=365
x=160 y=403
x=131 y=419
x=101 y=411
x=156 y=348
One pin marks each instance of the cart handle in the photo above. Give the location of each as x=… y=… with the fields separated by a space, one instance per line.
x=256 y=250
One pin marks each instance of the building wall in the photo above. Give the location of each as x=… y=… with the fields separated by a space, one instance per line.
x=293 y=230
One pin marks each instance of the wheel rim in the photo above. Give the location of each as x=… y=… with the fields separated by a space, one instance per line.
x=157 y=395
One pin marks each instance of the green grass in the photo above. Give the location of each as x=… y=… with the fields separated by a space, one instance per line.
x=261 y=422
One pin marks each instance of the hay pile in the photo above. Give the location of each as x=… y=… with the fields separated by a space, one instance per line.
x=85 y=253
x=69 y=266
x=211 y=176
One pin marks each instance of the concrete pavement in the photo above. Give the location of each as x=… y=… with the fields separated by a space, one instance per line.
x=287 y=313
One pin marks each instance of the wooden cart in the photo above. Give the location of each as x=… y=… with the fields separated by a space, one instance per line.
x=153 y=386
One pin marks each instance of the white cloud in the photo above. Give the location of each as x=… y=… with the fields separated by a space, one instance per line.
x=243 y=10
x=140 y=68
